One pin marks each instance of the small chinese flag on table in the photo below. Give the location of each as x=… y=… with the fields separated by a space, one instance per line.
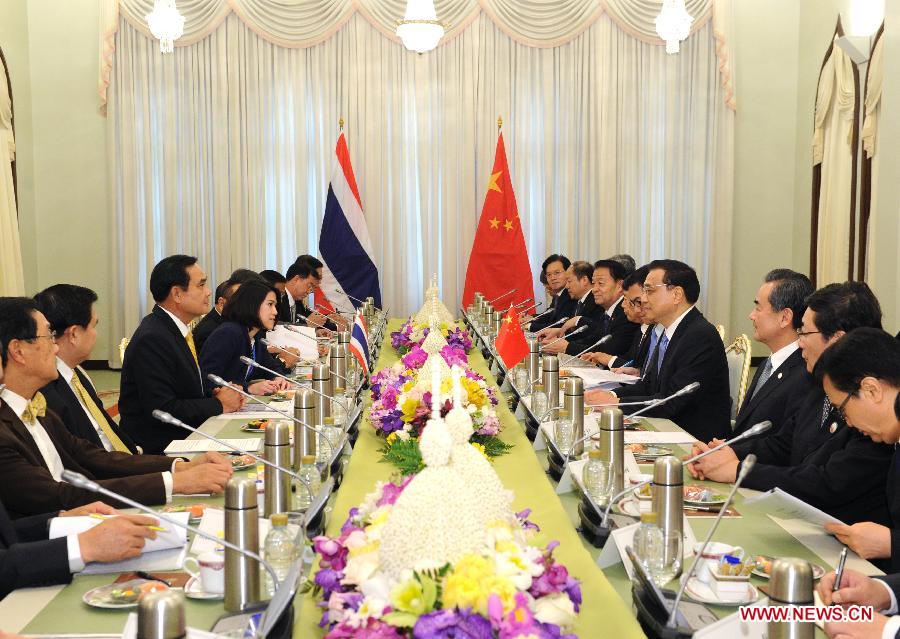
x=510 y=343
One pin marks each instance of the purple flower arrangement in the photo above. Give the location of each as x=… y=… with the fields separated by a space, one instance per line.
x=410 y=335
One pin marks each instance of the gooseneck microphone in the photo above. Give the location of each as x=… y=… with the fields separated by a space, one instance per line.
x=80 y=481
x=509 y=292
x=539 y=315
x=218 y=381
x=249 y=362
x=355 y=299
x=602 y=340
x=253 y=363
x=561 y=320
x=580 y=329
x=168 y=418
x=754 y=430
x=746 y=467
x=687 y=390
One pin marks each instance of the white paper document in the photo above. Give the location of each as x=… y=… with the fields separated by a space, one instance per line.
x=166 y=552
x=213 y=522
x=783 y=505
x=594 y=377
x=180 y=446
x=303 y=338
x=658 y=437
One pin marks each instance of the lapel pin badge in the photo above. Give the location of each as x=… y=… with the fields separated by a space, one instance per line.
x=833 y=427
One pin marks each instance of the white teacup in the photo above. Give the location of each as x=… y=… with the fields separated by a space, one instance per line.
x=712 y=556
x=209 y=569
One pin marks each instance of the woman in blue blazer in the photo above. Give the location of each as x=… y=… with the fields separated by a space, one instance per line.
x=251 y=311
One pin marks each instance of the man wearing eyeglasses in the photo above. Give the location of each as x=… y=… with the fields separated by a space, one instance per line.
x=814 y=455
x=688 y=350
x=35 y=446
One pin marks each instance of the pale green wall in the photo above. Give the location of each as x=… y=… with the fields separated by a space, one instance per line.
x=52 y=50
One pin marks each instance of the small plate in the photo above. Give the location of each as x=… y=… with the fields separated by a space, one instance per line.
x=118 y=596
x=817 y=570
x=630 y=506
x=255 y=426
x=196 y=511
x=716 y=499
x=242 y=462
x=701 y=593
x=649 y=452
x=193 y=590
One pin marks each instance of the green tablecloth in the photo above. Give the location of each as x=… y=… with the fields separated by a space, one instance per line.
x=521 y=471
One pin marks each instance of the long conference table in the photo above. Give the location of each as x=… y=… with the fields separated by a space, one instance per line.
x=606 y=611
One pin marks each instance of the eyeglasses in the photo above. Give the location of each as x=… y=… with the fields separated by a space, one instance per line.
x=648 y=288
x=802 y=333
x=51 y=337
x=840 y=408
x=636 y=302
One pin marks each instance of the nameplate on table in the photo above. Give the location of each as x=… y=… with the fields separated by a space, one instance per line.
x=183 y=446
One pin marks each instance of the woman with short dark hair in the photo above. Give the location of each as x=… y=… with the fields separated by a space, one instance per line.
x=251 y=311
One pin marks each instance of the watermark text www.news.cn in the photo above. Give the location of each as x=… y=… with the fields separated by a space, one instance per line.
x=815 y=614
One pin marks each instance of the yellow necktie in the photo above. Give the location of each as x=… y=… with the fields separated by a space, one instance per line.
x=98 y=415
x=190 y=340
x=37 y=407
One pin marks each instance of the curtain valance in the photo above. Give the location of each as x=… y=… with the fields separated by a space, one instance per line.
x=306 y=23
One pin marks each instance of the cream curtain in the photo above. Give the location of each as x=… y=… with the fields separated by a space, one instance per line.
x=223 y=150
x=12 y=279
x=877 y=278
x=305 y=23
x=832 y=148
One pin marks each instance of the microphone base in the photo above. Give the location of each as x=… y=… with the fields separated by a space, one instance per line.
x=652 y=618
x=531 y=428
x=284 y=627
x=556 y=465
x=336 y=471
x=591 y=529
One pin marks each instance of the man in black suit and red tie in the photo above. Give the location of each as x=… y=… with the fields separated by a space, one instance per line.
x=689 y=350
x=72 y=316
x=643 y=339
x=607 y=287
x=777 y=314
x=554 y=272
x=161 y=369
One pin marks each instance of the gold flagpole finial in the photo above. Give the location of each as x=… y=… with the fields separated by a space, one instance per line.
x=341 y=123
x=499 y=123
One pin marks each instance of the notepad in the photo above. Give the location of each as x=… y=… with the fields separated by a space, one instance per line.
x=182 y=446
x=784 y=505
x=658 y=437
x=595 y=377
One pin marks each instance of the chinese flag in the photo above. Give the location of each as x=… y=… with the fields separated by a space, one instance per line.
x=510 y=342
x=499 y=260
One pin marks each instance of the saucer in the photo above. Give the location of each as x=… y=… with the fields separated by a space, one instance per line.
x=702 y=593
x=194 y=590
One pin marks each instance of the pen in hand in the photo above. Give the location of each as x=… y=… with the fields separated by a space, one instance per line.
x=105 y=517
x=839 y=573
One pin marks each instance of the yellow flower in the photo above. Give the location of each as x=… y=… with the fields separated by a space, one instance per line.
x=471 y=584
x=504 y=589
x=391 y=438
x=409 y=409
x=480 y=449
x=409 y=597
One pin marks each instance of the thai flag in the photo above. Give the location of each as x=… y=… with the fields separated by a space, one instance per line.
x=344 y=242
x=359 y=342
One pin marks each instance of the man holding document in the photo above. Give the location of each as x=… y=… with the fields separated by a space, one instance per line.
x=861 y=376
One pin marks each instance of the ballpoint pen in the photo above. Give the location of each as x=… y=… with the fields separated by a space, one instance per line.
x=839 y=573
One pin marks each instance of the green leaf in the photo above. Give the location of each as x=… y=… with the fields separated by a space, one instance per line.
x=493 y=445
x=400 y=619
x=429 y=592
x=404 y=455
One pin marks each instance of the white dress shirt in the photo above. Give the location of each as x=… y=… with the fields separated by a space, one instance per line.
x=51 y=457
x=670 y=329
x=613 y=361
x=612 y=307
x=67 y=374
x=184 y=331
x=292 y=303
x=780 y=356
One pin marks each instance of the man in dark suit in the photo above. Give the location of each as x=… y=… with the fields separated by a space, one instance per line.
x=302 y=278
x=28 y=558
x=777 y=314
x=814 y=455
x=160 y=369
x=861 y=376
x=35 y=447
x=213 y=319
x=688 y=350
x=587 y=315
x=72 y=316
x=609 y=293
x=644 y=340
x=561 y=303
